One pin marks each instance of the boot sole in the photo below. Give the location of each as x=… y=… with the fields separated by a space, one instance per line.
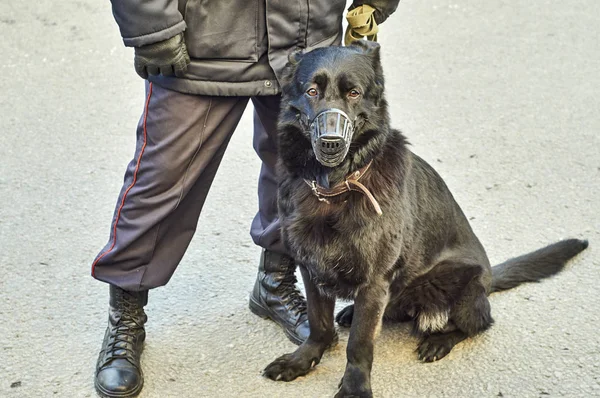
x=258 y=309
x=106 y=394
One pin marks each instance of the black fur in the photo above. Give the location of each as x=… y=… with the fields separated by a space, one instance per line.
x=420 y=260
x=535 y=266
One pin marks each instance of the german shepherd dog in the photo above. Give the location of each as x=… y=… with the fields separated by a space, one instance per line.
x=369 y=221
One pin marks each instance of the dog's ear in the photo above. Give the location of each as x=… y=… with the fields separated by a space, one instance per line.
x=295 y=56
x=290 y=68
x=372 y=50
x=367 y=46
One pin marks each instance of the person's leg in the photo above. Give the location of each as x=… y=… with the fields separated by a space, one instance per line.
x=265 y=227
x=180 y=142
x=275 y=295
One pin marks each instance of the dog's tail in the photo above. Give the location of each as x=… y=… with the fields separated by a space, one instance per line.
x=537 y=265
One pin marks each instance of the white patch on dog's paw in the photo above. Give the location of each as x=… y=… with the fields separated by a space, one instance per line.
x=432 y=322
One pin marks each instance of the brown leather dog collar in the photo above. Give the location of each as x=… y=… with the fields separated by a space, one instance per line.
x=350 y=183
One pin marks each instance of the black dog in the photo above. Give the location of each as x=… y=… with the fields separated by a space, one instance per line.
x=370 y=221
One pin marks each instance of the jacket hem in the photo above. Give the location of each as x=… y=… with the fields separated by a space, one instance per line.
x=218 y=89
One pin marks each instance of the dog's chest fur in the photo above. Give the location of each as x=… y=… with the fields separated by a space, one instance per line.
x=337 y=265
x=338 y=242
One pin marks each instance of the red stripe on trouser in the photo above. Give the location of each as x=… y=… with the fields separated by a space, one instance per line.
x=137 y=166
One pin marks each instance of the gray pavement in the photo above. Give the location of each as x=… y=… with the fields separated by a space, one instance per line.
x=502 y=97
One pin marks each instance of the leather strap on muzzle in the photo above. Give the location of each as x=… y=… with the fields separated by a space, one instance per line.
x=350 y=183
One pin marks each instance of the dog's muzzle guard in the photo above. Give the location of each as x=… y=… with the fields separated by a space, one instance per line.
x=331 y=134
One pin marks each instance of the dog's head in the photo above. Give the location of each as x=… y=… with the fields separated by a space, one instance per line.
x=333 y=106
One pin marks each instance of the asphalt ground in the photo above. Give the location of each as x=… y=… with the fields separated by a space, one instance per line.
x=501 y=97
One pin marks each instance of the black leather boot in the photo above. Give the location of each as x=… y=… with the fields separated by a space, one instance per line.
x=118 y=371
x=276 y=297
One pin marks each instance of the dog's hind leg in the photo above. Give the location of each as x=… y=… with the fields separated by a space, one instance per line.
x=437 y=345
x=469 y=316
x=322 y=336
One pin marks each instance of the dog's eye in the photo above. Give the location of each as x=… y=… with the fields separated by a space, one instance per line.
x=353 y=94
x=312 y=92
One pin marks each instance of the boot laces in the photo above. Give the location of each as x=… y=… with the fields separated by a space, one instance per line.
x=291 y=295
x=123 y=333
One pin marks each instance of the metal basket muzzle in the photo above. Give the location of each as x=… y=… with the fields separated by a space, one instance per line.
x=331 y=135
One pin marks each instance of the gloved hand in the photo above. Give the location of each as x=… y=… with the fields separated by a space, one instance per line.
x=364 y=16
x=382 y=9
x=361 y=23
x=166 y=57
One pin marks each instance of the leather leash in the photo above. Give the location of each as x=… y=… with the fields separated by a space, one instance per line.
x=361 y=23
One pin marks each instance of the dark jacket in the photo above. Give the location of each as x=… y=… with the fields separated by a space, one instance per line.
x=237 y=47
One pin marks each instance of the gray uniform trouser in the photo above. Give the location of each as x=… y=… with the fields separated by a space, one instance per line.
x=181 y=140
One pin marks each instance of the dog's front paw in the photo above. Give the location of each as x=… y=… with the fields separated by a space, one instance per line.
x=346 y=391
x=289 y=366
